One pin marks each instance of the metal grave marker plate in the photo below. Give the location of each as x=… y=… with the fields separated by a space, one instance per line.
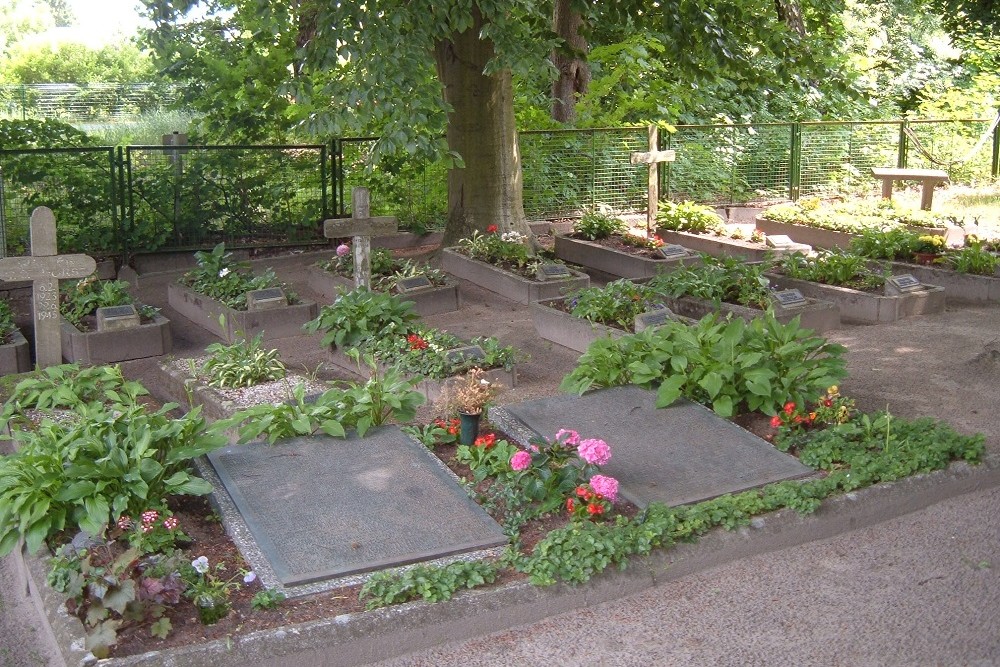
x=413 y=284
x=789 y=298
x=114 y=318
x=322 y=507
x=266 y=299
x=673 y=251
x=459 y=354
x=553 y=271
x=680 y=454
x=904 y=283
x=653 y=318
x=780 y=241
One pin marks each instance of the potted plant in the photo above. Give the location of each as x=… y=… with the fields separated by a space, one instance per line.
x=927 y=248
x=468 y=396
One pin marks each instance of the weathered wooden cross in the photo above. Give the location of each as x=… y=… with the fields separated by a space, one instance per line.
x=362 y=228
x=653 y=158
x=44 y=268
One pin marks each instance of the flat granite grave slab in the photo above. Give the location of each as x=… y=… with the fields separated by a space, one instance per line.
x=681 y=454
x=323 y=508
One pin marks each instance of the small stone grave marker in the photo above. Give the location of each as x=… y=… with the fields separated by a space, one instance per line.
x=901 y=284
x=653 y=318
x=673 y=251
x=789 y=298
x=652 y=160
x=413 y=284
x=469 y=352
x=361 y=227
x=115 y=318
x=553 y=271
x=779 y=241
x=44 y=268
x=266 y=299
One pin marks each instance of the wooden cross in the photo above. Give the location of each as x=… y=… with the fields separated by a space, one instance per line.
x=653 y=158
x=362 y=228
x=44 y=268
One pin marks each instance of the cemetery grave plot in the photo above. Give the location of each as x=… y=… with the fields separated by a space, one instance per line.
x=322 y=509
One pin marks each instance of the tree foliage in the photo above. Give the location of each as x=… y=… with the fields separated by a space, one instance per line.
x=72 y=62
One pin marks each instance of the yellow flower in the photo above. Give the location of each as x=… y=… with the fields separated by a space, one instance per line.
x=833 y=390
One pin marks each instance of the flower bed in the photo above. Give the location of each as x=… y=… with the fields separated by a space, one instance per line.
x=613 y=258
x=15 y=355
x=859 y=307
x=149 y=339
x=507 y=284
x=206 y=312
x=554 y=323
x=717 y=246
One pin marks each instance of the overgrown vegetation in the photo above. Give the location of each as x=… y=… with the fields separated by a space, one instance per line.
x=220 y=277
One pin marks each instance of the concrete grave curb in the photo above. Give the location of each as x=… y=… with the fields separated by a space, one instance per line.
x=360 y=638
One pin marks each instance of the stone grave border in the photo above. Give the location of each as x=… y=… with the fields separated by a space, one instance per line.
x=718 y=246
x=152 y=339
x=857 y=307
x=567 y=330
x=612 y=262
x=15 y=356
x=819 y=237
x=426 y=302
x=819 y=314
x=205 y=311
x=962 y=287
x=363 y=637
x=506 y=284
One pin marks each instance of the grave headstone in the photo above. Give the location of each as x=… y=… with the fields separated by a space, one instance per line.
x=673 y=251
x=652 y=159
x=653 y=318
x=44 y=268
x=552 y=271
x=789 y=298
x=901 y=284
x=361 y=227
x=680 y=454
x=115 y=318
x=413 y=284
x=779 y=241
x=266 y=299
x=322 y=508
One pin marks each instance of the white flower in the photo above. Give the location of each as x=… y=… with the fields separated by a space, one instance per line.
x=223 y=273
x=512 y=237
x=249 y=577
x=200 y=564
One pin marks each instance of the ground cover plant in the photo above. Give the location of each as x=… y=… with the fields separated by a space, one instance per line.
x=220 y=277
x=687 y=216
x=853 y=216
x=717 y=279
x=900 y=244
x=834 y=267
x=508 y=250
x=386 y=270
x=602 y=226
x=7 y=324
x=79 y=301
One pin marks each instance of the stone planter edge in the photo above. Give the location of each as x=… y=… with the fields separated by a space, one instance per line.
x=205 y=311
x=506 y=284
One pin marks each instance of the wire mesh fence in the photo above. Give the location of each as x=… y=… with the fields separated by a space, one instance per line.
x=84 y=102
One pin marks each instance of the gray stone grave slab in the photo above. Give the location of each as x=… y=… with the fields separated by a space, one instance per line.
x=460 y=354
x=115 y=318
x=789 y=298
x=414 y=284
x=266 y=299
x=323 y=508
x=901 y=284
x=653 y=318
x=681 y=454
x=673 y=251
x=552 y=272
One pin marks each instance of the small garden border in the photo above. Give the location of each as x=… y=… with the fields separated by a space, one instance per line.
x=205 y=311
x=611 y=262
x=15 y=356
x=861 y=307
x=152 y=339
x=431 y=301
x=506 y=284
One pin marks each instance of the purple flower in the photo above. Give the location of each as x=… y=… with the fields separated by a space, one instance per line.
x=605 y=486
x=251 y=576
x=594 y=451
x=343 y=249
x=572 y=437
x=200 y=564
x=520 y=461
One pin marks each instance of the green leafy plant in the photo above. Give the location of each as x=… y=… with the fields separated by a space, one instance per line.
x=597 y=224
x=7 y=324
x=687 y=217
x=425 y=351
x=508 y=250
x=386 y=270
x=896 y=243
x=728 y=365
x=618 y=302
x=717 y=279
x=360 y=314
x=432 y=584
x=267 y=599
x=220 y=277
x=82 y=299
x=833 y=267
x=853 y=216
x=245 y=363
x=974 y=259
x=209 y=587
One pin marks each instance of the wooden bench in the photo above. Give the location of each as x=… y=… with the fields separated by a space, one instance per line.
x=927 y=177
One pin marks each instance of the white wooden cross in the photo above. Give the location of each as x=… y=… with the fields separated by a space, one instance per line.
x=44 y=268
x=653 y=159
x=362 y=228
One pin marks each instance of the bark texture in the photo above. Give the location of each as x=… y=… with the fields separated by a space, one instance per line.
x=569 y=61
x=487 y=191
x=790 y=13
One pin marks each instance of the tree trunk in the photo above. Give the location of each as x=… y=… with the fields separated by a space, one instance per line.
x=487 y=191
x=791 y=14
x=569 y=61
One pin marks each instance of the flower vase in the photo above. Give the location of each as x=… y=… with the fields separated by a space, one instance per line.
x=211 y=610
x=468 y=427
x=925 y=258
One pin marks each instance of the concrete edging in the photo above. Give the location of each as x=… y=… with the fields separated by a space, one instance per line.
x=611 y=262
x=867 y=307
x=506 y=284
x=15 y=356
x=430 y=301
x=152 y=339
x=717 y=246
x=355 y=639
x=206 y=312
x=567 y=330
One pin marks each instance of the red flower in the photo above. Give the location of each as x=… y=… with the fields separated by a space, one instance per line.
x=486 y=441
x=593 y=509
x=491 y=229
x=452 y=430
x=827 y=402
x=416 y=342
x=570 y=505
x=581 y=491
x=775 y=421
x=789 y=408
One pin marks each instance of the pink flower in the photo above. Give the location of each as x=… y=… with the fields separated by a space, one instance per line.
x=150 y=516
x=605 y=486
x=124 y=523
x=520 y=461
x=594 y=451
x=572 y=437
x=170 y=522
x=343 y=249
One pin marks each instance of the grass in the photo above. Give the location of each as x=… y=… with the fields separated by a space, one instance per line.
x=961 y=201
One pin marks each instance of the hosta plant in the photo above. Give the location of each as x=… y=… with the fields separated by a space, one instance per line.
x=222 y=278
x=834 y=267
x=687 y=217
x=245 y=363
x=599 y=224
x=359 y=314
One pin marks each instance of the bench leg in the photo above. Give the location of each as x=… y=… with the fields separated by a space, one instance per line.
x=926 y=194
x=886 y=188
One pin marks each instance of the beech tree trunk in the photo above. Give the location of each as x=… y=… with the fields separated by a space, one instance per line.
x=790 y=13
x=487 y=190
x=569 y=60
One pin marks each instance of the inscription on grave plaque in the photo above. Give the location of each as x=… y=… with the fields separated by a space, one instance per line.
x=653 y=318
x=114 y=318
x=780 y=241
x=673 y=251
x=553 y=272
x=473 y=352
x=789 y=298
x=266 y=299
x=413 y=284
x=904 y=283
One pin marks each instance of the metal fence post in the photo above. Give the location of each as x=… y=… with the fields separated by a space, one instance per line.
x=995 y=167
x=666 y=177
x=904 y=146
x=118 y=215
x=795 y=161
x=323 y=183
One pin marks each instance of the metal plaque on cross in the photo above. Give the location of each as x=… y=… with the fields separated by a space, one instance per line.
x=362 y=227
x=45 y=268
x=652 y=159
